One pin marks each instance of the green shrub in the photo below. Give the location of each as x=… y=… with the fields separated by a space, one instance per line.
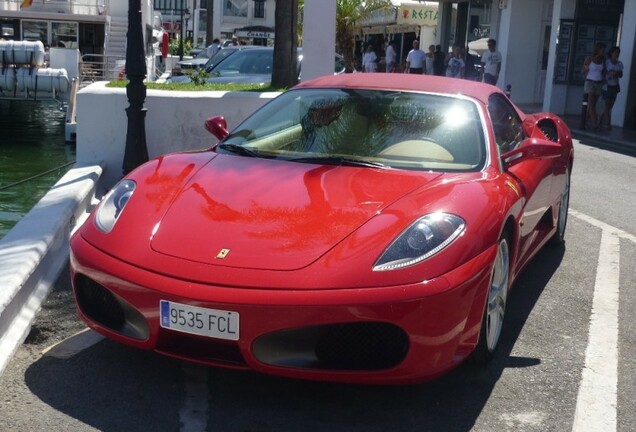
x=199 y=76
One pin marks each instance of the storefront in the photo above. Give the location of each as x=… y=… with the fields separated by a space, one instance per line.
x=402 y=25
x=256 y=35
x=580 y=25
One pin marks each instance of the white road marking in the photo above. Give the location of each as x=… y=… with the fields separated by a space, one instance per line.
x=194 y=413
x=73 y=344
x=602 y=225
x=597 y=397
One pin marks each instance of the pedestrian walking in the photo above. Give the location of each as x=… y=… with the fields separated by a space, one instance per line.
x=369 y=60
x=614 y=71
x=594 y=70
x=491 y=63
x=455 y=64
x=415 y=60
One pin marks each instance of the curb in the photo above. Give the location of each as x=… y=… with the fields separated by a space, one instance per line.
x=606 y=142
x=35 y=251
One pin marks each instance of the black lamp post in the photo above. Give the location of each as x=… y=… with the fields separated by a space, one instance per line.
x=136 y=151
x=183 y=11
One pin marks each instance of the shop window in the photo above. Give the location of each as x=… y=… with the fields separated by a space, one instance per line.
x=235 y=8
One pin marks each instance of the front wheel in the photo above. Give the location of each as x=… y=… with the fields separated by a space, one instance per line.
x=493 y=319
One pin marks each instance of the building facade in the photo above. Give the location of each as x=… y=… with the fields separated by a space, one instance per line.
x=544 y=44
x=251 y=21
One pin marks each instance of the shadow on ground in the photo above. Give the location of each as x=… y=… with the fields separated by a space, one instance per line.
x=114 y=388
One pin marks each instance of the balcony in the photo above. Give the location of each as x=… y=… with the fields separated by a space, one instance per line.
x=74 y=7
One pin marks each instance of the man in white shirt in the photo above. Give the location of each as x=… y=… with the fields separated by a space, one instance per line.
x=491 y=63
x=214 y=47
x=415 y=60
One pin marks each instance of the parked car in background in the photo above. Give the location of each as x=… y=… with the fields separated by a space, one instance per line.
x=197 y=62
x=250 y=65
x=201 y=48
x=208 y=63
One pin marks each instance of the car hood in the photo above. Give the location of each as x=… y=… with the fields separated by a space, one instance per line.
x=276 y=215
x=197 y=62
x=262 y=79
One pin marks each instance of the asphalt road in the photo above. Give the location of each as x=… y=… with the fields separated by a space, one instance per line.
x=567 y=359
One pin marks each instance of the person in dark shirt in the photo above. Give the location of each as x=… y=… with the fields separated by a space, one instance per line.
x=438 y=61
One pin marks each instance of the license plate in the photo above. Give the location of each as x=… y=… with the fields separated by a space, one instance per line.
x=200 y=321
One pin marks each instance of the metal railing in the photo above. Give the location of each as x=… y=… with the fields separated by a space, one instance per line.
x=101 y=67
x=78 y=7
x=104 y=67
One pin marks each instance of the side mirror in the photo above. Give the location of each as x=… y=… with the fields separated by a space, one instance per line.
x=532 y=148
x=217 y=126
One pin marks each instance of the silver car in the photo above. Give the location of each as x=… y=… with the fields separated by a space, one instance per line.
x=250 y=66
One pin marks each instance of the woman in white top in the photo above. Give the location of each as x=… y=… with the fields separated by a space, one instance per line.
x=614 y=71
x=594 y=70
x=369 y=60
x=430 y=58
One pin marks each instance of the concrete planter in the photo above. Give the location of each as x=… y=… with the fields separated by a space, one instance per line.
x=174 y=122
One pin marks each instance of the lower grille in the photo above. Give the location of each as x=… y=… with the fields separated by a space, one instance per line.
x=362 y=346
x=105 y=308
x=199 y=349
x=99 y=304
x=358 y=346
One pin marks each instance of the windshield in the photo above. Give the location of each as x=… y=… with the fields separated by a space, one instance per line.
x=251 y=61
x=218 y=57
x=376 y=128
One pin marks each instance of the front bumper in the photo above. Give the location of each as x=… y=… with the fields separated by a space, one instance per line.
x=393 y=334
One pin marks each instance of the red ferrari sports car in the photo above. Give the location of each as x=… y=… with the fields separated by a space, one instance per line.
x=357 y=228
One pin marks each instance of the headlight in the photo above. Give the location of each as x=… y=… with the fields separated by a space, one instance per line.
x=424 y=238
x=113 y=204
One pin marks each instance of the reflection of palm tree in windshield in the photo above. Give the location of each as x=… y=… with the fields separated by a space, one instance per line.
x=363 y=126
x=343 y=127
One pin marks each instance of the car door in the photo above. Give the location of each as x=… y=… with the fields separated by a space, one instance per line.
x=532 y=177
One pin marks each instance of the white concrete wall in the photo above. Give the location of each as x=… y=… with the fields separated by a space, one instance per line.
x=35 y=251
x=628 y=50
x=518 y=42
x=176 y=117
x=319 y=38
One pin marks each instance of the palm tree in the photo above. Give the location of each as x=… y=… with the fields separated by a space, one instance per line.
x=209 y=31
x=284 y=72
x=349 y=13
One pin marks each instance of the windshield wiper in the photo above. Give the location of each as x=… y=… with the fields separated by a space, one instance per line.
x=338 y=160
x=238 y=149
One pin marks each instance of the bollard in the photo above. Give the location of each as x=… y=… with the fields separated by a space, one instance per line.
x=583 y=111
x=508 y=90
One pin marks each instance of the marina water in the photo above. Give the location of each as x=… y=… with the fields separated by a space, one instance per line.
x=33 y=156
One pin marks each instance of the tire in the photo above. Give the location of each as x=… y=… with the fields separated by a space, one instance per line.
x=494 y=312
x=559 y=236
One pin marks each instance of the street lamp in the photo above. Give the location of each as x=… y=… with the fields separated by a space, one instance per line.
x=136 y=151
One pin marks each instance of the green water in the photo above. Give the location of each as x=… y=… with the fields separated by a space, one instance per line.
x=31 y=143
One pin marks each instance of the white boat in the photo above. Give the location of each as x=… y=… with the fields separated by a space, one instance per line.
x=50 y=48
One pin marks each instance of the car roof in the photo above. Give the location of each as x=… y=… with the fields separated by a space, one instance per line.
x=405 y=82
